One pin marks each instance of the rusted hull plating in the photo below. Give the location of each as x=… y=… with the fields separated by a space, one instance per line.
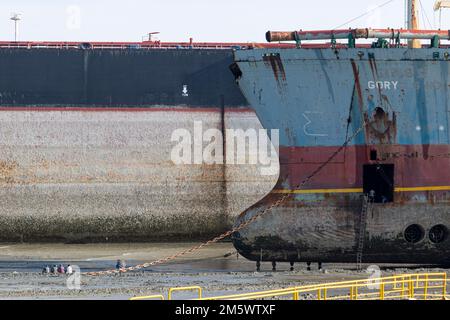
x=320 y=97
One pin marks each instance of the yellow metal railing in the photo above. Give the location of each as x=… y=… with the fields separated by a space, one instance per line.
x=423 y=286
x=417 y=286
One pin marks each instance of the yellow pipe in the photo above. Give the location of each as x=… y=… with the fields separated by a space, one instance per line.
x=444 y=287
x=411 y=288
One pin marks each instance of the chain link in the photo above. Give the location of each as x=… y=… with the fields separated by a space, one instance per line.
x=241 y=226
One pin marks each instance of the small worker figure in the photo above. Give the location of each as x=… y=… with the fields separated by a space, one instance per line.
x=69 y=269
x=120 y=264
x=61 y=269
x=372 y=195
x=54 y=269
x=46 y=270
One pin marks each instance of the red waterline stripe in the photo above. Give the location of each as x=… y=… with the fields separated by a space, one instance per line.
x=115 y=109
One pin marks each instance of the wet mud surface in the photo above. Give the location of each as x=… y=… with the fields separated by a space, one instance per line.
x=217 y=269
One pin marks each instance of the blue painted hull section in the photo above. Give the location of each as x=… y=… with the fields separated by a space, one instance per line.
x=312 y=101
x=318 y=98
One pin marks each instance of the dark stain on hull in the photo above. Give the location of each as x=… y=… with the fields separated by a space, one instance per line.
x=274 y=61
x=357 y=83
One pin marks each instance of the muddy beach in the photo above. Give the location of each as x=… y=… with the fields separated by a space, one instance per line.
x=217 y=269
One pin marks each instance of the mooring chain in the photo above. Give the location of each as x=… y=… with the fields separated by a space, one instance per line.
x=235 y=229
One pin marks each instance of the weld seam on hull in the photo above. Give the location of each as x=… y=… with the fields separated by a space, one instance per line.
x=360 y=190
x=124 y=109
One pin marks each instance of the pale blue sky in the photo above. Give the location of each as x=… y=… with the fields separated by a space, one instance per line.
x=204 y=20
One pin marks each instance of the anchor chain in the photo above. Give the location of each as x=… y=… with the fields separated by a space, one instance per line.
x=235 y=229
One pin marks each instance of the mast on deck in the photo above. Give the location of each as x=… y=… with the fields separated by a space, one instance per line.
x=412 y=34
x=413 y=22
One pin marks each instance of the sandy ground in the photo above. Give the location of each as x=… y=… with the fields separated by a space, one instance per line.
x=217 y=269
